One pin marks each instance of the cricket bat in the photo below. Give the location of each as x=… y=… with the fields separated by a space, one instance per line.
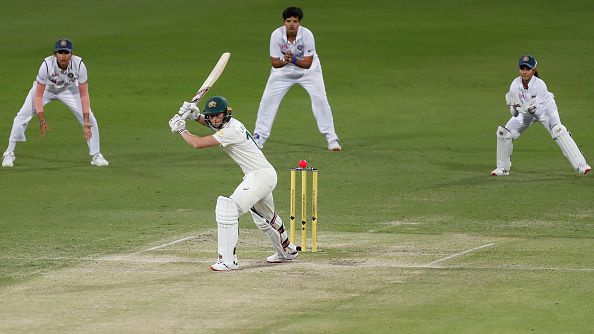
x=210 y=80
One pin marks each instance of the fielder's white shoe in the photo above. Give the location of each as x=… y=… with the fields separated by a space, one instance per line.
x=8 y=159
x=584 y=170
x=499 y=172
x=99 y=161
x=277 y=258
x=333 y=145
x=221 y=266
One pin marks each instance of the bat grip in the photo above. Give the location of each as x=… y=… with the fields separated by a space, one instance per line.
x=185 y=115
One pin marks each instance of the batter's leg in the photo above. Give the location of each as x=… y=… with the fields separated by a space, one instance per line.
x=227 y=216
x=272 y=226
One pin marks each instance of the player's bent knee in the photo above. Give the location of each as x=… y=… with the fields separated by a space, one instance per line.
x=226 y=211
x=558 y=130
x=503 y=133
x=260 y=221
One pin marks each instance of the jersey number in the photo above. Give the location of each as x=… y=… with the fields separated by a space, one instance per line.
x=248 y=135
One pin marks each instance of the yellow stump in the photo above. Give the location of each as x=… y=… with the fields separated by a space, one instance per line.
x=303 y=210
x=314 y=210
x=292 y=207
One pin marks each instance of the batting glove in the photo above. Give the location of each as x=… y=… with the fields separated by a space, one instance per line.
x=177 y=124
x=190 y=110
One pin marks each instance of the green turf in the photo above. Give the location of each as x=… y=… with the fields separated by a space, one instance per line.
x=417 y=90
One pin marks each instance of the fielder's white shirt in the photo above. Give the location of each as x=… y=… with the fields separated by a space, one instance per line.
x=237 y=142
x=537 y=89
x=304 y=45
x=56 y=79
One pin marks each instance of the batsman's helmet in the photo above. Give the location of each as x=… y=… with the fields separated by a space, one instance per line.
x=216 y=105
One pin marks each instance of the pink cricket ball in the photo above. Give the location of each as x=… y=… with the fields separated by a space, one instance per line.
x=302 y=163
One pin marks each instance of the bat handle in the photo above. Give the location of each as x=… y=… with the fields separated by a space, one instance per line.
x=185 y=115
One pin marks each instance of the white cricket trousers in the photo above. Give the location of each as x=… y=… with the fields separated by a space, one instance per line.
x=279 y=82
x=71 y=98
x=256 y=191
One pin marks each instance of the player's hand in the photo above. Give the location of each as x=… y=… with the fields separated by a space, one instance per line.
x=177 y=124
x=288 y=56
x=190 y=109
x=531 y=106
x=43 y=128
x=87 y=132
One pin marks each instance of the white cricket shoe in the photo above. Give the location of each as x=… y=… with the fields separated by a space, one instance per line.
x=333 y=145
x=221 y=266
x=499 y=172
x=99 y=161
x=8 y=159
x=582 y=170
x=277 y=258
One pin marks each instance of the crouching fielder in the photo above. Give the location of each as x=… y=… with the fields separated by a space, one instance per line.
x=529 y=101
x=254 y=193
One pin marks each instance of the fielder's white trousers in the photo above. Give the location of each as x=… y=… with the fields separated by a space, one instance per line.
x=256 y=191
x=71 y=98
x=279 y=82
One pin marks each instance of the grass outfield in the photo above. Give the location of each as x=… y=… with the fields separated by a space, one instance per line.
x=415 y=236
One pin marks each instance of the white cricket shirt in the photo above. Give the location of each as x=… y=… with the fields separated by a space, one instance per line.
x=237 y=142
x=537 y=89
x=56 y=79
x=303 y=46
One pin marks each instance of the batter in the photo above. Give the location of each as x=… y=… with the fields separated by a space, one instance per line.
x=253 y=194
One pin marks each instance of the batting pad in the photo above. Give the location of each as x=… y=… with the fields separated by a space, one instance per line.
x=505 y=147
x=227 y=216
x=569 y=147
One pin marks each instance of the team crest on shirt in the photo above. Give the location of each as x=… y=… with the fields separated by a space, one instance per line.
x=300 y=47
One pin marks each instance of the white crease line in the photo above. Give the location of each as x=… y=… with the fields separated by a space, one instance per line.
x=167 y=244
x=457 y=254
x=127 y=259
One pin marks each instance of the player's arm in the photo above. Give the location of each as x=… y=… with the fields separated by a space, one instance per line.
x=38 y=103
x=197 y=141
x=178 y=125
x=85 y=101
x=305 y=62
x=278 y=62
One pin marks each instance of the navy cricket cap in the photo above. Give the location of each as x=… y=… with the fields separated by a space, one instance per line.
x=527 y=61
x=63 y=44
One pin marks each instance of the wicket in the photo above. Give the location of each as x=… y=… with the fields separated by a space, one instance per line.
x=314 y=207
